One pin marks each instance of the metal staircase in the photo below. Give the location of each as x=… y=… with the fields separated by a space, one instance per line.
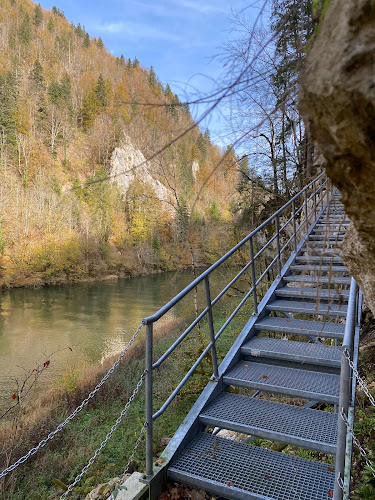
x=283 y=378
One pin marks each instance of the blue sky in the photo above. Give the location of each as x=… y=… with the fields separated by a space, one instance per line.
x=181 y=39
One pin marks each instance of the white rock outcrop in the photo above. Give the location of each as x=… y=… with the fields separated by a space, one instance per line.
x=129 y=164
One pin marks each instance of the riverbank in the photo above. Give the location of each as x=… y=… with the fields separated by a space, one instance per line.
x=65 y=456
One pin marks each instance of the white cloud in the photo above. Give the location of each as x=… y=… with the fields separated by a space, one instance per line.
x=202 y=8
x=136 y=31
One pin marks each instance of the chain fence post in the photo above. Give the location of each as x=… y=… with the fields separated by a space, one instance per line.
x=278 y=245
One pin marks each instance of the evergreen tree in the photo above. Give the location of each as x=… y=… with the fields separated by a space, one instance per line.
x=101 y=92
x=50 y=25
x=8 y=106
x=54 y=92
x=36 y=77
x=79 y=31
x=66 y=91
x=122 y=60
x=100 y=43
x=129 y=64
x=168 y=91
x=152 y=77
x=86 y=41
x=26 y=29
x=135 y=63
x=38 y=15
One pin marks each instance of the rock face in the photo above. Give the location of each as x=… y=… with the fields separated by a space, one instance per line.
x=128 y=164
x=337 y=102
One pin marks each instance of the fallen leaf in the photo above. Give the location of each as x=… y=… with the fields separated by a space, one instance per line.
x=70 y=349
x=229 y=483
x=266 y=476
x=330 y=469
x=14 y=396
x=265 y=376
x=330 y=493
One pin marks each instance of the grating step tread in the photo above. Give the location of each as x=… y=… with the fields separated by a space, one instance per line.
x=332 y=280
x=319 y=258
x=211 y=462
x=304 y=352
x=289 y=424
x=313 y=293
x=322 y=268
x=317 y=237
x=301 y=327
x=312 y=307
x=307 y=384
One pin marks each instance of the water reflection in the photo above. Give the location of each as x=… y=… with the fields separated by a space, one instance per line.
x=94 y=319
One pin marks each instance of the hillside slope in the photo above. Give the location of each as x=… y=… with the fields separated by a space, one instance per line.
x=73 y=119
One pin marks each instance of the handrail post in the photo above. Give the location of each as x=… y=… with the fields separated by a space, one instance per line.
x=253 y=278
x=211 y=328
x=345 y=389
x=294 y=225
x=149 y=406
x=278 y=245
x=306 y=212
x=314 y=188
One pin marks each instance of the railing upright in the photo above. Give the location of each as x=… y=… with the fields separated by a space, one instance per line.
x=278 y=245
x=149 y=405
x=211 y=328
x=294 y=225
x=345 y=389
x=306 y=212
x=253 y=278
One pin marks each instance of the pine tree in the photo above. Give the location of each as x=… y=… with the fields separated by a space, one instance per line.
x=101 y=92
x=122 y=60
x=26 y=30
x=135 y=63
x=54 y=92
x=66 y=91
x=50 y=25
x=38 y=15
x=36 y=77
x=100 y=43
x=152 y=77
x=79 y=31
x=8 y=106
x=86 y=41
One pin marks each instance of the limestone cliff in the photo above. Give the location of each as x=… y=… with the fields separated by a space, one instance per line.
x=337 y=102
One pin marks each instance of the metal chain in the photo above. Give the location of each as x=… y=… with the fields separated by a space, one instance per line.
x=138 y=442
x=361 y=382
x=358 y=444
x=342 y=486
x=52 y=434
x=106 y=439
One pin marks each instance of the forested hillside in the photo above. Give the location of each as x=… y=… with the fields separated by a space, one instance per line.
x=73 y=119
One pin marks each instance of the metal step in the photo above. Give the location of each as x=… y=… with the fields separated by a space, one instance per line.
x=318 y=294
x=317 y=237
x=301 y=327
x=294 y=425
x=330 y=280
x=322 y=268
x=308 y=384
x=302 y=352
x=303 y=307
x=318 y=258
x=244 y=472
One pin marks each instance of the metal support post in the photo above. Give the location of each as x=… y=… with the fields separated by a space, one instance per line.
x=294 y=226
x=253 y=278
x=278 y=245
x=306 y=212
x=314 y=201
x=149 y=409
x=211 y=328
x=345 y=390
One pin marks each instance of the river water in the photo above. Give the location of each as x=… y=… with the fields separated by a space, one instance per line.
x=95 y=320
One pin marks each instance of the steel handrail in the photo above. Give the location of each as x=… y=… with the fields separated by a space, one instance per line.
x=150 y=320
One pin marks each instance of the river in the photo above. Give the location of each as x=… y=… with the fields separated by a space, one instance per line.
x=94 y=320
